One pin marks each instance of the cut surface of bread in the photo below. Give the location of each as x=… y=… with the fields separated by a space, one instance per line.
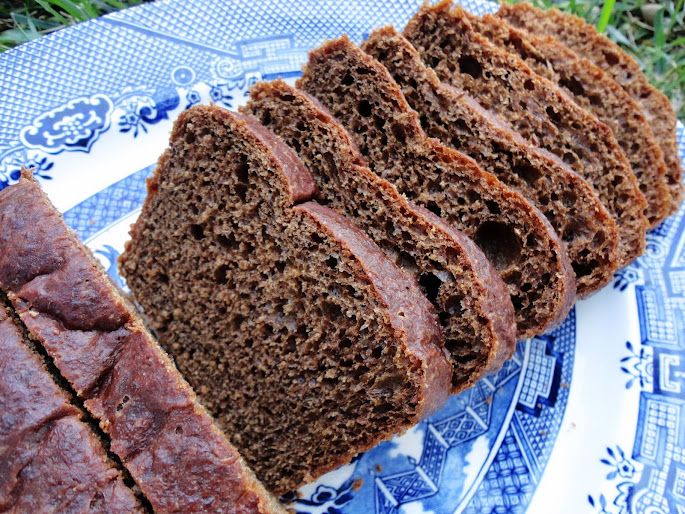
x=451 y=115
x=513 y=234
x=583 y=39
x=300 y=336
x=537 y=109
x=162 y=436
x=598 y=93
x=50 y=460
x=471 y=300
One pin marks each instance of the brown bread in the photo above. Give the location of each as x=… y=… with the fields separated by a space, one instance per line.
x=598 y=93
x=568 y=202
x=583 y=39
x=472 y=302
x=50 y=460
x=300 y=336
x=537 y=109
x=514 y=235
x=164 y=438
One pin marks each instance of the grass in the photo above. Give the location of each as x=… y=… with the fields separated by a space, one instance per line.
x=653 y=33
x=22 y=21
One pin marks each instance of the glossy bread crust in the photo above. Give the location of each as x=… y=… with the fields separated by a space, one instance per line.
x=100 y=347
x=50 y=460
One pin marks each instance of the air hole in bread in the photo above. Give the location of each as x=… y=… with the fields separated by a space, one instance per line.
x=573 y=85
x=470 y=65
x=220 y=274
x=499 y=243
x=332 y=262
x=406 y=261
x=583 y=268
x=197 y=231
x=331 y=310
x=398 y=132
x=611 y=58
x=530 y=174
x=569 y=158
x=227 y=241
x=434 y=208
x=553 y=115
x=364 y=108
x=493 y=207
x=265 y=118
x=430 y=285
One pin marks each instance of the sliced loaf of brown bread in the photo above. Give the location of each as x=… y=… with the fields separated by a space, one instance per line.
x=50 y=460
x=168 y=443
x=449 y=114
x=513 y=234
x=601 y=95
x=537 y=109
x=303 y=339
x=472 y=302
x=584 y=40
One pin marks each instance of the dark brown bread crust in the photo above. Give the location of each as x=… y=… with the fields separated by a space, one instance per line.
x=264 y=349
x=373 y=203
x=157 y=429
x=584 y=39
x=597 y=92
x=448 y=114
x=537 y=109
x=360 y=93
x=50 y=460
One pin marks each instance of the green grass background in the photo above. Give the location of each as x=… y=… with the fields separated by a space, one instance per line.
x=654 y=33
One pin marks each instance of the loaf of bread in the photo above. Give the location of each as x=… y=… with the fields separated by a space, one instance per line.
x=451 y=115
x=166 y=441
x=537 y=109
x=584 y=40
x=599 y=94
x=513 y=234
x=50 y=459
x=302 y=338
x=472 y=302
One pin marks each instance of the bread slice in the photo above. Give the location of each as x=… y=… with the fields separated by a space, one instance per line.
x=163 y=437
x=50 y=460
x=537 y=109
x=448 y=114
x=597 y=92
x=514 y=235
x=301 y=337
x=472 y=302
x=584 y=40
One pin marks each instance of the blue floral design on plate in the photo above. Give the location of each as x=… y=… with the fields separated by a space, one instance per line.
x=74 y=126
x=142 y=109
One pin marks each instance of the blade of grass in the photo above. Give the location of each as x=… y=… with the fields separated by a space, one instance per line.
x=659 y=41
x=24 y=19
x=676 y=15
x=78 y=12
x=605 y=15
x=48 y=7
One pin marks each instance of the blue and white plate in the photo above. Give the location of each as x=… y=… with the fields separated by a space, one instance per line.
x=587 y=418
